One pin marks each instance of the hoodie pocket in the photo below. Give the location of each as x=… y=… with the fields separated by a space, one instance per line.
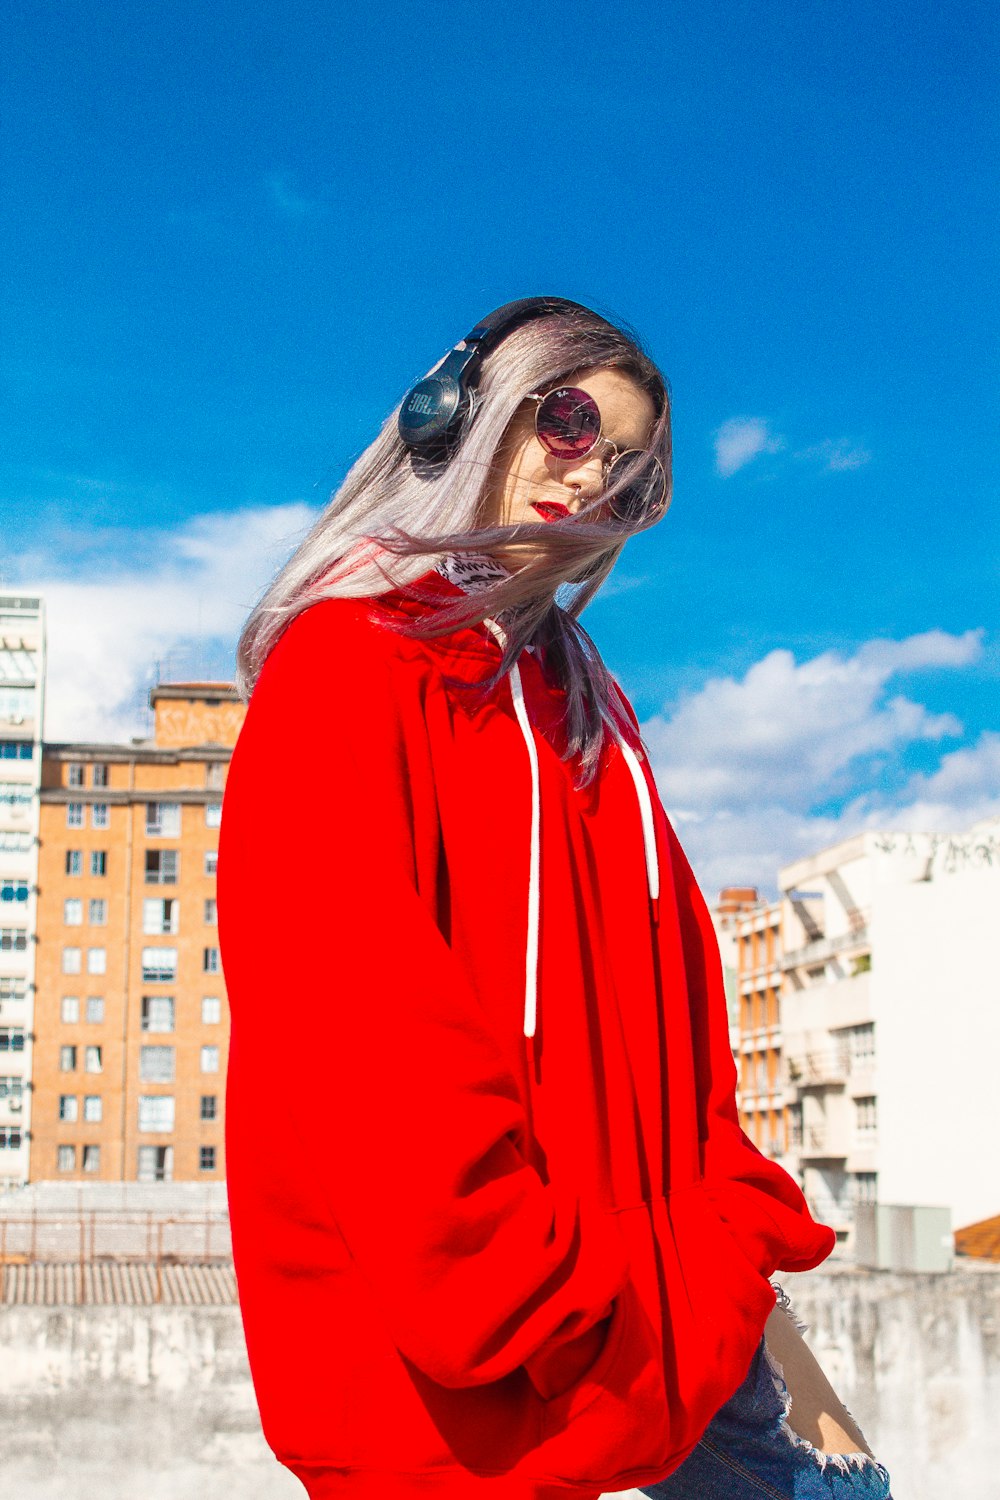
x=614 y=1416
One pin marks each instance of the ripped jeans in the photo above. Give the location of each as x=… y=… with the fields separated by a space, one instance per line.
x=749 y=1451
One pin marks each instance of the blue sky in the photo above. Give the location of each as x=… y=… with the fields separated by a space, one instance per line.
x=237 y=233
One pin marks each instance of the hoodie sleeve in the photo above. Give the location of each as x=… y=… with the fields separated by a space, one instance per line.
x=399 y=1095
x=757 y=1199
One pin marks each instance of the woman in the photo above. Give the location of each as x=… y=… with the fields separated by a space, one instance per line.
x=496 y=1227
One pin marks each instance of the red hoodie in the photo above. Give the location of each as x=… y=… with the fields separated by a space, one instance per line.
x=496 y=1226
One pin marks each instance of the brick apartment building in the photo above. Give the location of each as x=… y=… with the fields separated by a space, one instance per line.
x=130 y=1018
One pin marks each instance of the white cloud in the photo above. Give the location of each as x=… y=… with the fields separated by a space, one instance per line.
x=743 y=763
x=837 y=455
x=141 y=598
x=740 y=440
x=287 y=201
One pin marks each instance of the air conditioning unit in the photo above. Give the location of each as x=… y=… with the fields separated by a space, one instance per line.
x=15 y=1102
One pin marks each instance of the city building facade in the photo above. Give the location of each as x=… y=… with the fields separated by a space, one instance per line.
x=131 y=1022
x=733 y=901
x=22 y=703
x=761 y=1095
x=891 y=1032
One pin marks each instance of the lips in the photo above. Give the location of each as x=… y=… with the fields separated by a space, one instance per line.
x=550 y=510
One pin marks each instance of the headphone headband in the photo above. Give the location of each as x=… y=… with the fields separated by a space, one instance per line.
x=436 y=411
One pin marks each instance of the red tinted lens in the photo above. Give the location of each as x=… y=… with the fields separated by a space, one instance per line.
x=568 y=422
x=636 y=486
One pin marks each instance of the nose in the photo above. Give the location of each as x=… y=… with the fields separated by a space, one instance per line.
x=585 y=479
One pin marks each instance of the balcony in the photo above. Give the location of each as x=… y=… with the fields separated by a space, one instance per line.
x=819 y=1141
x=816 y=1069
x=824 y=948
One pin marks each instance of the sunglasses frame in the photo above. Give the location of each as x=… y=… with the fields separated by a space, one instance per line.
x=619 y=453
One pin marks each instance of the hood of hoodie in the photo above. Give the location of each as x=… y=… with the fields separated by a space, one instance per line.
x=468 y=574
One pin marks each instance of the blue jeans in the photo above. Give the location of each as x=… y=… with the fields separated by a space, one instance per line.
x=749 y=1452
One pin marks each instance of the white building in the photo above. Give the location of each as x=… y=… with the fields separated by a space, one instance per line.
x=891 y=1023
x=22 y=698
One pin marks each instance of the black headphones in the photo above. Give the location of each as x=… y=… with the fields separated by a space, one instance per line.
x=437 y=410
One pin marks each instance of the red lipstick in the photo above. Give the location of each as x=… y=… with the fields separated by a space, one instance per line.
x=550 y=510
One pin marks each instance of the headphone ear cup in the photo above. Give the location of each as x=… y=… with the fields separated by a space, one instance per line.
x=431 y=412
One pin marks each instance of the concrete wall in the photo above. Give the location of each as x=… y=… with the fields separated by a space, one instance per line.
x=156 y=1402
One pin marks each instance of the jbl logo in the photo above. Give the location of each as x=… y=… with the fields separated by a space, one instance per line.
x=421 y=403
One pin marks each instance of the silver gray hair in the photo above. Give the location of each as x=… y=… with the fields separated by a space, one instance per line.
x=396 y=515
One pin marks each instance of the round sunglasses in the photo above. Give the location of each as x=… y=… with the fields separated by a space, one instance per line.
x=568 y=425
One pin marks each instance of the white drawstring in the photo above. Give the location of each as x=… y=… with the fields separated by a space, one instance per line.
x=646 y=814
x=534 y=864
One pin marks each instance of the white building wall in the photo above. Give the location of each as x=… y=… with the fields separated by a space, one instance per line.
x=922 y=910
x=937 y=977
x=22 y=707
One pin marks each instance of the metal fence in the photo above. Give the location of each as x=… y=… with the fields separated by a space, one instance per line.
x=124 y=1256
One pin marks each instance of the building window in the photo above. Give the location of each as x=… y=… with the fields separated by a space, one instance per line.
x=14 y=940
x=92 y=1109
x=72 y=912
x=157 y=1013
x=97 y=960
x=12 y=1089
x=72 y=960
x=95 y=1010
x=161 y=866
x=156 y=1113
x=99 y=815
x=10 y=1137
x=211 y=1010
x=213 y=814
x=15 y=750
x=97 y=912
x=11 y=1038
x=98 y=862
x=159 y=965
x=69 y=1010
x=861 y=1044
x=67 y=1059
x=866 y=1187
x=92 y=1158
x=211 y=911
x=866 y=1115
x=13 y=889
x=210 y=1059
x=17 y=703
x=74 y=775
x=156 y=1064
x=210 y=961
x=215 y=773
x=163 y=820
x=206 y=1158
x=13 y=987
x=161 y=914
x=156 y=1164
x=74 y=862
x=66 y=1158
x=211 y=861
x=74 y=814
x=15 y=794
x=93 y=1060
x=100 y=775
x=209 y=1106
x=68 y=1105
x=11 y=842
x=795 y=1126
